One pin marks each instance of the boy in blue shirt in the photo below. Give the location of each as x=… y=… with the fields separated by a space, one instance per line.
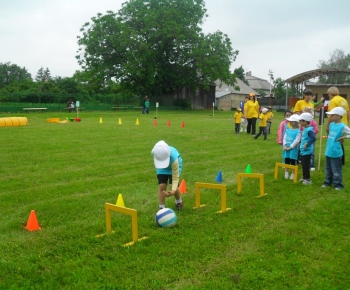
x=334 y=150
x=308 y=139
x=168 y=163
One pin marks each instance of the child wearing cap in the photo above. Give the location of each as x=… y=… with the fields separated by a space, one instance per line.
x=307 y=142
x=262 y=124
x=269 y=119
x=291 y=141
x=168 y=164
x=238 y=120
x=334 y=151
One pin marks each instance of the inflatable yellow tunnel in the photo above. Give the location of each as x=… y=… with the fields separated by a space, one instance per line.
x=13 y=121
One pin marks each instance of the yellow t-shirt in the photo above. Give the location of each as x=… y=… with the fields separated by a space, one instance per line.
x=263 y=118
x=301 y=104
x=238 y=117
x=269 y=115
x=251 y=109
x=339 y=101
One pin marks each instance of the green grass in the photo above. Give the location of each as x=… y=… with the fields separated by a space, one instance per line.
x=296 y=237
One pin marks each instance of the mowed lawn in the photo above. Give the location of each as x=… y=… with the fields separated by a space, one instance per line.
x=295 y=237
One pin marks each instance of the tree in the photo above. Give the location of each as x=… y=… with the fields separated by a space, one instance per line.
x=340 y=60
x=11 y=73
x=156 y=46
x=279 y=89
x=239 y=73
x=43 y=75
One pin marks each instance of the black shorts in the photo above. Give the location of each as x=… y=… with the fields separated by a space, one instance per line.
x=164 y=178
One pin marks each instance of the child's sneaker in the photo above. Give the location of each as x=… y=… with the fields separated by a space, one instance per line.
x=325 y=185
x=338 y=188
x=307 y=182
x=291 y=176
x=179 y=205
x=286 y=175
x=301 y=180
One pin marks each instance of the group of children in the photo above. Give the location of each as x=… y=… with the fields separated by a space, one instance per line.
x=299 y=139
x=265 y=120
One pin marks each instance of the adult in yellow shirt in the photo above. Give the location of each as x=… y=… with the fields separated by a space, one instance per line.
x=251 y=113
x=337 y=101
x=304 y=103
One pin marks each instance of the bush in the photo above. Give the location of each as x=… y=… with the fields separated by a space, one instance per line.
x=183 y=103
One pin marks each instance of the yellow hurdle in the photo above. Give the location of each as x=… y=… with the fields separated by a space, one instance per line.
x=251 y=175
x=287 y=166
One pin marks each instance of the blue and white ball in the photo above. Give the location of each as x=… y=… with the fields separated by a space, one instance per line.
x=166 y=218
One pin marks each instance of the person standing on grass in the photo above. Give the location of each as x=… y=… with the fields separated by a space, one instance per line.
x=334 y=151
x=304 y=103
x=307 y=142
x=269 y=119
x=70 y=105
x=144 y=104
x=251 y=113
x=314 y=125
x=338 y=101
x=147 y=106
x=168 y=164
x=262 y=124
x=244 y=121
x=291 y=141
x=283 y=127
x=238 y=120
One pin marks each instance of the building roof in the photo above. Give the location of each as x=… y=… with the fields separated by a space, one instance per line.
x=258 y=83
x=222 y=89
x=300 y=78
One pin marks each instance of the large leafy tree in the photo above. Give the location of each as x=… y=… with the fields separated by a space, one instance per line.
x=338 y=59
x=279 y=89
x=43 y=75
x=156 y=46
x=12 y=73
x=239 y=73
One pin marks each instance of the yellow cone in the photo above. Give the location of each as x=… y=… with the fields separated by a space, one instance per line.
x=120 y=121
x=101 y=120
x=120 y=201
x=137 y=122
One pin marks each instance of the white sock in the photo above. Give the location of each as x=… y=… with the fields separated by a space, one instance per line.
x=162 y=206
x=178 y=200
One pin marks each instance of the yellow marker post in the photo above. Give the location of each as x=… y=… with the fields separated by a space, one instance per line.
x=287 y=166
x=132 y=212
x=221 y=187
x=251 y=175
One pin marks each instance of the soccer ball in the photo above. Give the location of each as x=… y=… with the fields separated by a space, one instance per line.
x=166 y=218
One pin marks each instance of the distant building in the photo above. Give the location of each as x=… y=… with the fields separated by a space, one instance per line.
x=258 y=84
x=227 y=97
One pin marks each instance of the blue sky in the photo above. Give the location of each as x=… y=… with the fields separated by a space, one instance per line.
x=288 y=37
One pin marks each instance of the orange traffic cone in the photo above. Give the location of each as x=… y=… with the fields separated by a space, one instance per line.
x=183 y=125
x=155 y=123
x=168 y=123
x=182 y=186
x=32 y=224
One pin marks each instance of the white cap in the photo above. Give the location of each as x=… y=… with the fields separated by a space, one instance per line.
x=265 y=110
x=293 y=118
x=306 y=117
x=161 y=153
x=337 y=111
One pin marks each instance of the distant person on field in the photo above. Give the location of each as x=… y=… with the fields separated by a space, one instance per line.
x=334 y=152
x=70 y=105
x=238 y=120
x=338 y=101
x=244 y=120
x=251 y=113
x=291 y=142
x=168 y=164
x=269 y=119
x=144 y=104
x=283 y=127
x=262 y=124
x=306 y=146
x=147 y=106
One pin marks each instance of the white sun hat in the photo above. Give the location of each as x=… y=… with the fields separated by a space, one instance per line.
x=337 y=111
x=161 y=153
x=293 y=118
x=306 y=117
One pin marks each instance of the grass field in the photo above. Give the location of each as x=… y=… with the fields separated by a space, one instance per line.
x=296 y=237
